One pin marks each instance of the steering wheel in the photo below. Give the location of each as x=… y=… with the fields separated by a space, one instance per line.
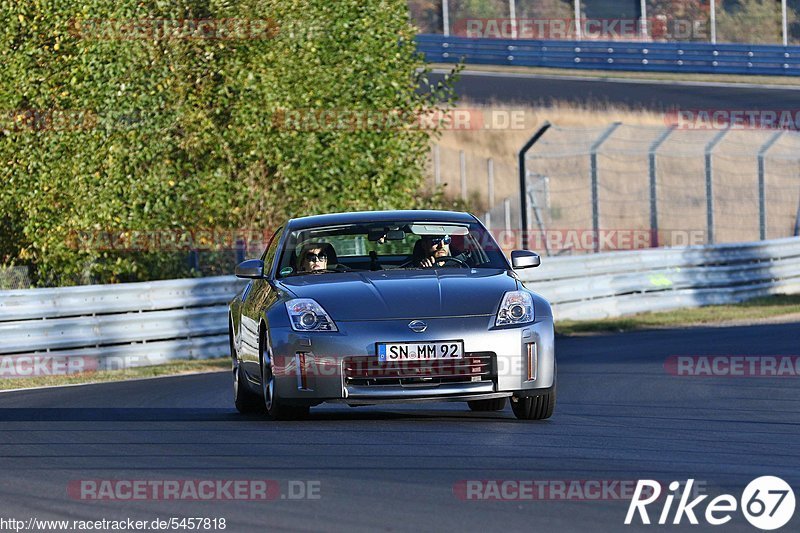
x=441 y=259
x=446 y=258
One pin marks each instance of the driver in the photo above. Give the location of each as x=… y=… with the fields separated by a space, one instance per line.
x=429 y=247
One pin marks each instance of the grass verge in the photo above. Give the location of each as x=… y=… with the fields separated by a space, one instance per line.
x=174 y=368
x=620 y=74
x=751 y=311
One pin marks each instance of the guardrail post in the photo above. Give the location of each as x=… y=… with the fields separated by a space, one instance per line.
x=595 y=194
x=784 y=25
x=713 y=21
x=762 y=199
x=512 y=13
x=653 y=188
x=523 y=196
x=710 y=185
x=643 y=29
x=445 y=18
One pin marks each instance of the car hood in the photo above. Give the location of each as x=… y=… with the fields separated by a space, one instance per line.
x=406 y=294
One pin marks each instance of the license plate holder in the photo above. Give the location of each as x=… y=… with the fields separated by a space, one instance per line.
x=419 y=350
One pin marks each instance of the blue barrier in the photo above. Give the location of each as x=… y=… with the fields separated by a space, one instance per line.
x=615 y=55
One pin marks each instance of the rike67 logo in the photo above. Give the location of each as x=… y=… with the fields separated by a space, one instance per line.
x=767 y=503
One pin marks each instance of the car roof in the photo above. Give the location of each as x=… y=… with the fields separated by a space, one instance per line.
x=362 y=217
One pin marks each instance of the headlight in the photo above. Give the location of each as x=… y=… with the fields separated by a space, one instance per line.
x=307 y=315
x=516 y=308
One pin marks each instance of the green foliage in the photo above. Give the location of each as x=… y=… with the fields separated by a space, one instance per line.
x=426 y=15
x=751 y=21
x=101 y=133
x=684 y=9
x=478 y=9
x=546 y=9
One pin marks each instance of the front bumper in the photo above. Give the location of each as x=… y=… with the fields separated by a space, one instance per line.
x=317 y=367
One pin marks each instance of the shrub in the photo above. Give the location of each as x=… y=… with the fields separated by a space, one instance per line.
x=100 y=133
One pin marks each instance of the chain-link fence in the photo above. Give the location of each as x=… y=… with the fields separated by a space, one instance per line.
x=489 y=185
x=630 y=187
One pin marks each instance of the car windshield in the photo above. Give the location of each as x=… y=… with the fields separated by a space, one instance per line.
x=388 y=246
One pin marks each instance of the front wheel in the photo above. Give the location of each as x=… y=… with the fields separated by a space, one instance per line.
x=245 y=401
x=275 y=408
x=537 y=407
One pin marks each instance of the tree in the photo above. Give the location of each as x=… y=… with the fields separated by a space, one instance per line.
x=108 y=133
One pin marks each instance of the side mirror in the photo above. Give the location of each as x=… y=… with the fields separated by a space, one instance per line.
x=525 y=259
x=250 y=269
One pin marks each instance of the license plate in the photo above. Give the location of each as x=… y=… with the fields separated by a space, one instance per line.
x=409 y=351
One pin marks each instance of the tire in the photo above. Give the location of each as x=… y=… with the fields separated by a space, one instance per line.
x=537 y=407
x=492 y=404
x=271 y=403
x=244 y=399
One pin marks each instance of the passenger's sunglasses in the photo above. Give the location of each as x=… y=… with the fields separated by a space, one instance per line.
x=312 y=258
x=437 y=240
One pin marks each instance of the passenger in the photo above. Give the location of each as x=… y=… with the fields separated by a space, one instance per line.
x=314 y=257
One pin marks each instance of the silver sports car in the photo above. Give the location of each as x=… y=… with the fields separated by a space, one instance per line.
x=390 y=306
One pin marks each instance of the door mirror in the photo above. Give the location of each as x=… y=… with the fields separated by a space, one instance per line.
x=525 y=259
x=250 y=269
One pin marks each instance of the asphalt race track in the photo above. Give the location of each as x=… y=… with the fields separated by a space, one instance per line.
x=620 y=416
x=511 y=89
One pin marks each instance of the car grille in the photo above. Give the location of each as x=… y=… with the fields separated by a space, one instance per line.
x=368 y=371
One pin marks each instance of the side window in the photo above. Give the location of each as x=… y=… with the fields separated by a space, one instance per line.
x=272 y=248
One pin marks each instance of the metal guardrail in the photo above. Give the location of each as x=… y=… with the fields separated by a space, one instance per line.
x=615 y=55
x=131 y=324
x=618 y=283
x=149 y=323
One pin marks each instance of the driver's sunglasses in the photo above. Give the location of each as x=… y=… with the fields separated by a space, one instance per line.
x=313 y=258
x=437 y=240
